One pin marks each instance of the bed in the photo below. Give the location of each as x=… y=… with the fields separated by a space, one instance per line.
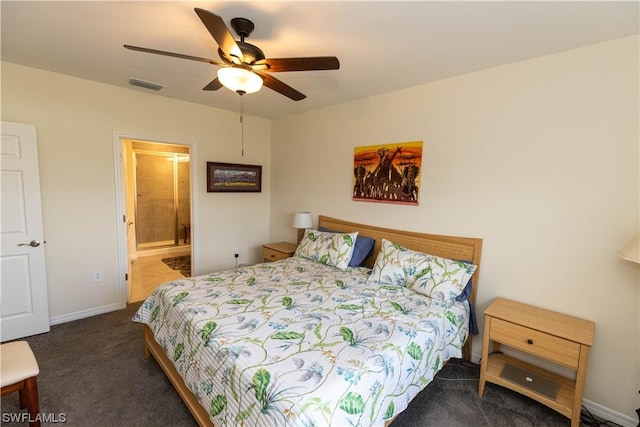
x=299 y=342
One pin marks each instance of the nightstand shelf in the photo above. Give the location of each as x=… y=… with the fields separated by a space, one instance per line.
x=566 y=390
x=277 y=251
x=558 y=338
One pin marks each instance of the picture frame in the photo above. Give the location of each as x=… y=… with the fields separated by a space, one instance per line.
x=388 y=173
x=233 y=178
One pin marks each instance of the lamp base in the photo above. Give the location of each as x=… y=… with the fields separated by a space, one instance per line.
x=300 y=234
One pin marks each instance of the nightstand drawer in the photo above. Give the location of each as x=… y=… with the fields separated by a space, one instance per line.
x=549 y=347
x=277 y=251
x=273 y=255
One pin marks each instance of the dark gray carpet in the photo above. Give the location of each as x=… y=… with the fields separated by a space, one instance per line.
x=94 y=372
x=452 y=400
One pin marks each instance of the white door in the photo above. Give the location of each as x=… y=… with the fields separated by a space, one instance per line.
x=24 y=307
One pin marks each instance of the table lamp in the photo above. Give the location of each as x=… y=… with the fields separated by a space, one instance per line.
x=302 y=221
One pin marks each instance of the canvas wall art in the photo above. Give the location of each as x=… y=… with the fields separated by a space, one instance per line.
x=388 y=173
x=233 y=178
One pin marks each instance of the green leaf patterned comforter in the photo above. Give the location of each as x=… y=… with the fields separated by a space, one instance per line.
x=299 y=343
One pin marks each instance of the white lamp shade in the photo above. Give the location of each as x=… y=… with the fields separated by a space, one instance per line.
x=302 y=220
x=631 y=251
x=239 y=79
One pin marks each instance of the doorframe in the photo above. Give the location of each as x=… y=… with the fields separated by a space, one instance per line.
x=121 y=204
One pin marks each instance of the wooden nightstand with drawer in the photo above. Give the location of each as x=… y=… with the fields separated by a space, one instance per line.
x=556 y=337
x=277 y=251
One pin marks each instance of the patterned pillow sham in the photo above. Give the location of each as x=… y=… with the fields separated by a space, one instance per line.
x=398 y=265
x=333 y=249
x=363 y=248
x=435 y=277
x=446 y=279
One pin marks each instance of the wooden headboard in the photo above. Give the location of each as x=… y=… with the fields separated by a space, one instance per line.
x=452 y=247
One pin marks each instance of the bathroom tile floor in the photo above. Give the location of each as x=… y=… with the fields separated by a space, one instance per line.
x=147 y=273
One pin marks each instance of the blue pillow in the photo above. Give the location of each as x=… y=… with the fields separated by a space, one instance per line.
x=364 y=248
x=466 y=292
x=464 y=296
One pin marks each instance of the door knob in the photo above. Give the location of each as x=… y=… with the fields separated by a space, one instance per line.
x=33 y=244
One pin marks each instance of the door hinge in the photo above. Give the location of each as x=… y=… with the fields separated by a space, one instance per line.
x=124 y=218
x=126 y=277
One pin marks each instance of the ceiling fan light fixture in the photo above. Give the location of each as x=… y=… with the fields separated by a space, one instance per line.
x=239 y=79
x=244 y=65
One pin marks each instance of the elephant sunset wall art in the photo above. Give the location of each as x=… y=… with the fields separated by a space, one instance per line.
x=388 y=173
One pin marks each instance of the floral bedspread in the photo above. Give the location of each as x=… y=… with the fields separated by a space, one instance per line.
x=298 y=343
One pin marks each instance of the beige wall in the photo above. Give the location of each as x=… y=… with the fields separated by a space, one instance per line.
x=75 y=121
x=540 y=158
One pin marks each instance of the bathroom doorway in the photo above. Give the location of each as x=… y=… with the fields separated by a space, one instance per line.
x=158 y=203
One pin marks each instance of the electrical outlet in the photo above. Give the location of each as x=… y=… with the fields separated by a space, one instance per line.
x=97 y=275
x=236 y=253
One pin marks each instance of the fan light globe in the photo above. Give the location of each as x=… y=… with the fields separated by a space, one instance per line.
x=239 y=79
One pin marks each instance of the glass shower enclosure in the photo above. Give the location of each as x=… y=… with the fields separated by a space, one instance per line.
x=162 y=202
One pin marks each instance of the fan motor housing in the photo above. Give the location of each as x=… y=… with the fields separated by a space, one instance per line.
x=251 y=53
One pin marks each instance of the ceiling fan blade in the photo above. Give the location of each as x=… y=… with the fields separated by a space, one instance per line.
x=214 y=85
x=220 y=33
x=277 y=65
x=282 y=88
x=175 y=55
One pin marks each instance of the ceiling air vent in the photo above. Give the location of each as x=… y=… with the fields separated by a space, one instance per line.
x=145 y=84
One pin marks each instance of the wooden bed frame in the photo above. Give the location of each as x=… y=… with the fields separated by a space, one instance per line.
x=462 y=248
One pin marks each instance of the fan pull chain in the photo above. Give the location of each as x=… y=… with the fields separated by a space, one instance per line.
x=242 y=122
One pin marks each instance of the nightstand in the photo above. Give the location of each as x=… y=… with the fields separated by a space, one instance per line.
x=561 y=339
x=277 y=251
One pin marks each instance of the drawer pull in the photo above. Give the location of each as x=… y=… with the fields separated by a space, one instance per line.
x=529 y=341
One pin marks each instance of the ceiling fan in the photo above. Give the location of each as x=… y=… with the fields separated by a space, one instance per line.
x=244 y=66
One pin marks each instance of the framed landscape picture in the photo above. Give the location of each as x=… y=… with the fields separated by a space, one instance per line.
x=233 y=178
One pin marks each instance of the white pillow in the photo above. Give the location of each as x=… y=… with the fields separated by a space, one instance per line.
x=398 y=265
x=446 y=279
x=430 y=275
x=333 y=249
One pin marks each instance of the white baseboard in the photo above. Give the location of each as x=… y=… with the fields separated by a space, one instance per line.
x=173 y=250
x=609 y=414
x=596 y=409
x=56 y=320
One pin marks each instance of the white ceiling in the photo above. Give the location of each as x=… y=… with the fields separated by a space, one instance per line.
x=382 y=46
